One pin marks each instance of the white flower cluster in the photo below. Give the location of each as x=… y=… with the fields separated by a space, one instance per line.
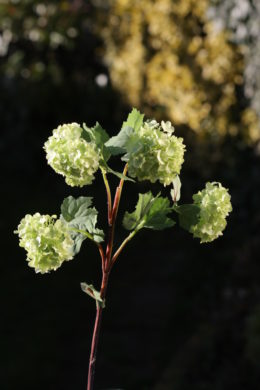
x=154 y=153
x=214 y=204
x=71 y=156
x=47 y=242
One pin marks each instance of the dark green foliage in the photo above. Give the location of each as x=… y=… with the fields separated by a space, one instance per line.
x=150 y=212
x=188 y=215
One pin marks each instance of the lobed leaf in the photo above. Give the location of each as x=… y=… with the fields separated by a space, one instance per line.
x=157 y=216
x=118 y=144
x=135 y=120
x=81 y=218
x=150 y=212
x=99 y=136
x=72 y=208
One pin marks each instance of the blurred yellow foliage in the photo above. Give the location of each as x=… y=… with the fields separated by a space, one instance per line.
x=167 y=59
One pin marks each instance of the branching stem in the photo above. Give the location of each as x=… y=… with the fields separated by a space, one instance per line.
x=106 y=267
x=114 y=215
x=119 y=250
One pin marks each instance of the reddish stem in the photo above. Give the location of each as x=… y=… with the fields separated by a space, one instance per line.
x=96 y=331
x=106 y=267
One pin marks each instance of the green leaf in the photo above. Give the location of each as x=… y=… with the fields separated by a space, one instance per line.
x=135 y=120
x=118 y=144
x=150 y=212
x=97 y=135
x=78 y=240
x=188 y=215
x=176 y=191
x=81 y=218
x=132 y=220
x=93 y=293
x=157 y=217
x=88 y=223
x=72 y=208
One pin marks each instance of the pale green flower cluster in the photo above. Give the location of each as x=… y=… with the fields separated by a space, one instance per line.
x=71 y=156
x=47 y=242
x=214 y=204
x=154 y=153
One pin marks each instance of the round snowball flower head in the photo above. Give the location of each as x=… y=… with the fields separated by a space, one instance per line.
x=71 y=156
x=46 y=240
x=214 y=205
x=154 y=153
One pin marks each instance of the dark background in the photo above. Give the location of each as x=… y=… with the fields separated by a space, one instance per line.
x=179 y=315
